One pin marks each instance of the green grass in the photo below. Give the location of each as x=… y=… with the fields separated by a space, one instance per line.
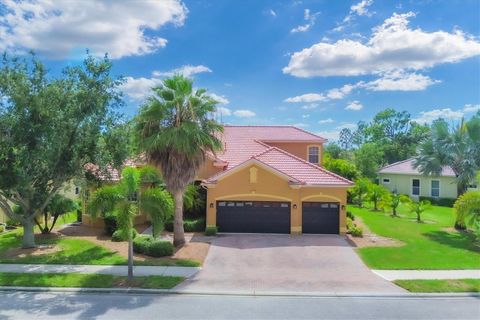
x=428 y=245
x=75 y=251
x=76 y=280
x=458 y=285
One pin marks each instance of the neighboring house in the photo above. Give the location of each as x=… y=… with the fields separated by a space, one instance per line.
x=402 y=177
x=270 y=179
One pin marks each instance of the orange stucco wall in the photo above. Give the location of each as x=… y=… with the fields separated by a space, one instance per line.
x=207 y=170
x=297 y=148
x=271 y=187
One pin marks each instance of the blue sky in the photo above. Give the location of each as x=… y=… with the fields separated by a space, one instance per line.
x=321 y=65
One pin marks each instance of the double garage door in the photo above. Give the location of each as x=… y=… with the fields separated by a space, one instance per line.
x=274 y=217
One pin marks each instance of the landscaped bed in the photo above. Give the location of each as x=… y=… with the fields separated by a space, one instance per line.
x=457 y=285
x=433 y=244
x=86 y=281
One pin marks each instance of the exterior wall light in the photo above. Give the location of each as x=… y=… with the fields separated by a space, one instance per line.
x=343 y=207
x=295 y=207
x=211 y=204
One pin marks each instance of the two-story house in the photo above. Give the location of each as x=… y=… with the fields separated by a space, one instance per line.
x=270 y=179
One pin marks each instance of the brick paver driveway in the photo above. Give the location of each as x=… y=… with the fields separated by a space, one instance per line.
x=283 y=263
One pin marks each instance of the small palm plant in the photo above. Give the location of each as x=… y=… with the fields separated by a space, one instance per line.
x=395 y=199
x=377 y=194
x=125 y=200
x=418 y=207
x=360 y=190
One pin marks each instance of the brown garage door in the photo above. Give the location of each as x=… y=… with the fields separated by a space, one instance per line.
x=253 y=216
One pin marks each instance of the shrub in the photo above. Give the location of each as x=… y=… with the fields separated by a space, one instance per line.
x=350 y=224
x=2 y=228
x=110 y=221
x=356 y=231
x=160 y=248
x=211 y=231
x=12 y=223
x=152 y=247
x=119 y=235
x=189 y=225
x=443 y=202
x=350 y=215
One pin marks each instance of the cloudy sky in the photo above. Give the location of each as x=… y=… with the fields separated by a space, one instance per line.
x=321 y=65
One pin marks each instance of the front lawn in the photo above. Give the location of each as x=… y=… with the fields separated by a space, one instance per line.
x=458 y=285
x=433 y=244
x=76 y=280
x=54 y=249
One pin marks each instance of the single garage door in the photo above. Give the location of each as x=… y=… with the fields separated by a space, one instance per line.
x=320 y=217
x=253 y=216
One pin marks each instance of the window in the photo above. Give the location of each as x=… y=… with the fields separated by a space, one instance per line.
x=415 y=187
x=77 y=190
x=435 y=188
x=313 y=154
x=386 y=180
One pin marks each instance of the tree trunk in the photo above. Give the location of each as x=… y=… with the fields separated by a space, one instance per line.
x=418 y=217
x=394 y=213
x=460 y=219
x=28 y=240
x=130 y=256
x=178 y=233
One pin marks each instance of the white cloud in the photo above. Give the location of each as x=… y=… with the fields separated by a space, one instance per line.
x=471 y=108
x=310 y=18
x=323 y=121
x=361 y=8
x=354 y=105
x=301 y=125
x=224 y=111
x=186 y=70
x=400 y=81
x=429 y=116
x=392 y=46
x=340 y=93
x=426 y=117
x=139 y=88
x=272 y=13
x=58 y=29
x=308 y=97
x=220 y=99
x=346 y=125
x=305 y=116
x=334 y=134
x=310 y=106
x=244 y=113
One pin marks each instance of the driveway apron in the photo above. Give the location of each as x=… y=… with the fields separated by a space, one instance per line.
x=283 y=263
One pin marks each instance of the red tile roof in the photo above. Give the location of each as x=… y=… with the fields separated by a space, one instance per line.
x=406 y=167
x=244 y=143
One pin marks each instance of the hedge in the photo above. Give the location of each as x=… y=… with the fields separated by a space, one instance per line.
x=152 y=247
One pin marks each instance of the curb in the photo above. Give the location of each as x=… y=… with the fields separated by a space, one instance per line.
x=239 y=294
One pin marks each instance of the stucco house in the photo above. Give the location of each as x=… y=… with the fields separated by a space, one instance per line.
x=270 y=179
x=402 y=177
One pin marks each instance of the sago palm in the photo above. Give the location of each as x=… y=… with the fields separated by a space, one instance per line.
x=125 y=199
x=176 y=130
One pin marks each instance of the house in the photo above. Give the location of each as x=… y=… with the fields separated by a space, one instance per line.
x=402 y=177
x=270 y=179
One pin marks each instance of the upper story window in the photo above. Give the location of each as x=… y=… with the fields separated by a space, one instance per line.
x=314 y=154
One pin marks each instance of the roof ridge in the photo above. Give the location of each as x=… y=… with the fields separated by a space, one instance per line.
x=311 y=164
x=395 y=163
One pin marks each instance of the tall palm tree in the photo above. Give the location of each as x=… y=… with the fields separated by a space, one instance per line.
x=176 y=130
x=458 y=148
x=125 y=200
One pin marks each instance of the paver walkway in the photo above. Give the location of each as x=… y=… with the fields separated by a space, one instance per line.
x=99 y=269
x=391 y=275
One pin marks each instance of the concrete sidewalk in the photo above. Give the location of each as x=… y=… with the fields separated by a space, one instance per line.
x=186 y=272
x=391 y=275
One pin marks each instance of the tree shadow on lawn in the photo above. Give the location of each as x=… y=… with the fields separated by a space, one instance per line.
x=459 y=240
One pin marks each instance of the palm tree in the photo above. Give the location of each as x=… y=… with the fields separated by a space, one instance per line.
x=395 y=199
x=418 y=207
x=176 y=130
x=458 y=148
x=377 y=194
x=126 y=198
x=360 y=190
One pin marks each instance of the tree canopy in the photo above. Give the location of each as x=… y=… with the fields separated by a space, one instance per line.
x=50 y=127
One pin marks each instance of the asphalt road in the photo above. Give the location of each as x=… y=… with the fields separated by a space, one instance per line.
x=29 y=305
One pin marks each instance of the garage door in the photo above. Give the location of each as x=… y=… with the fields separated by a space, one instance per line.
x=253 y=216
x=320 y=217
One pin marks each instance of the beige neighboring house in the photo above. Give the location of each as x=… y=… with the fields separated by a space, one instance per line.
x=402 y=177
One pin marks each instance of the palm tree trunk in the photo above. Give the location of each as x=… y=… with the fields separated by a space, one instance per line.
x=178 y=233
x=130 y=256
